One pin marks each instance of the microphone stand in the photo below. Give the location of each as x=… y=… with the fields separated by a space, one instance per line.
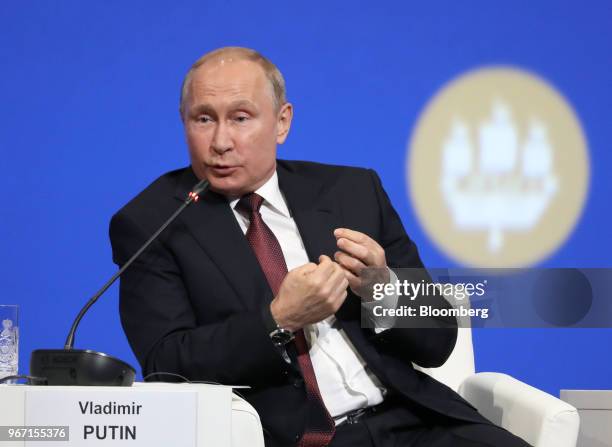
x=70 y=366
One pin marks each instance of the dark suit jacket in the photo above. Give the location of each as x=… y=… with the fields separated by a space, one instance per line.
x=191 y=303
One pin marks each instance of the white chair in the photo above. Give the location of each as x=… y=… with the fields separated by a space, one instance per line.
x=246 y=426
x=539 y=418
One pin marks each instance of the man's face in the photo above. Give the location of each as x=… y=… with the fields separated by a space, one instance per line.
x=232 y=127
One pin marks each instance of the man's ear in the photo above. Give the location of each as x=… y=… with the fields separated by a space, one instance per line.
x=285 y=115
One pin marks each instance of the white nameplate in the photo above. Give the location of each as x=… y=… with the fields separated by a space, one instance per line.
x=117 y=416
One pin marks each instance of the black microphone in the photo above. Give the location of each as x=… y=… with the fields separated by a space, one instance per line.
x=70 y=366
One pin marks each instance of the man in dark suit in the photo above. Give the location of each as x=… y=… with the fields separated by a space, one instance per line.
x=280 y=309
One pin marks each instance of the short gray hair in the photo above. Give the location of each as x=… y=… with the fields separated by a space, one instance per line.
x=277 y=82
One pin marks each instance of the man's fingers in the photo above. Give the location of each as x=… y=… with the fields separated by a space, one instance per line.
x=355 y=236
x=360 y=246
x=339 y=288
x=339 y=277
x=306 y=268
x=323 y=270
x=349 y=262
x=324 y=259
x=354 y=281
x=356 y=250
x=326 y=267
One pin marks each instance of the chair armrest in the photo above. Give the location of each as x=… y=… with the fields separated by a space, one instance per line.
x=539 y=418
x=246 y=426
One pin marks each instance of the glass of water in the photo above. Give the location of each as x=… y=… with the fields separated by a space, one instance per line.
x=9 y=339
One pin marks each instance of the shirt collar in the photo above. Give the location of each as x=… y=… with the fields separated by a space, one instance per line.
x=272 y=195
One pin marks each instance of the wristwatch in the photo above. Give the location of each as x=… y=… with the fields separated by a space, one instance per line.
x=278 y=335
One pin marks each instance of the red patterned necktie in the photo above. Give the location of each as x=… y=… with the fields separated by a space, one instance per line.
x=320 y=428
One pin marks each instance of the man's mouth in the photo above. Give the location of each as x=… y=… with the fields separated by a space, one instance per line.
x=223 y=169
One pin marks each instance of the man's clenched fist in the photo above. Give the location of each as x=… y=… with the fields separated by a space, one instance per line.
x=309 y=294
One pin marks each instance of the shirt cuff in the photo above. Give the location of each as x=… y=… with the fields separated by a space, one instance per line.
x=382 y=323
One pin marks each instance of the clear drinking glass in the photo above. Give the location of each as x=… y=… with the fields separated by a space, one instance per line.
x=9 y=339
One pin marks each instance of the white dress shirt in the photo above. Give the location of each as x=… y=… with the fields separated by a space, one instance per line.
x=344 y=380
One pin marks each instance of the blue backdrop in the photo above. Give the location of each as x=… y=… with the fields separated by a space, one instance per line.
x=88 y=117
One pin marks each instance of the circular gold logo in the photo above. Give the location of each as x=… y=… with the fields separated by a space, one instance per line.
x=498 y=169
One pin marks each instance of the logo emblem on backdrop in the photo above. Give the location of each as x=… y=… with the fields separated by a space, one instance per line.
x=498 y=169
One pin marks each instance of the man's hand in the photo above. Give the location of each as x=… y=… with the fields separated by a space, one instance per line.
x=357 y=252
x=309 y=294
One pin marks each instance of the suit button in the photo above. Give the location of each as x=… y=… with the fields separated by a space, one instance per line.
x=298 y=383
x=297 y=438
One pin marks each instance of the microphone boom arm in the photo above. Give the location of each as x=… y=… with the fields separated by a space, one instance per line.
x=194 y=196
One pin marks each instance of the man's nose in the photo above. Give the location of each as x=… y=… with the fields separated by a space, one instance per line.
x=222 y=141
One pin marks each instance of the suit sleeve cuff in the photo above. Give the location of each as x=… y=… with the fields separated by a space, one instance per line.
x=382 y=323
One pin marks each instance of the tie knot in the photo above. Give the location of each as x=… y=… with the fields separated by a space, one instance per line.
x=250 y=203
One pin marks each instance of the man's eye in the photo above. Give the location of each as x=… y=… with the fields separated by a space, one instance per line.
x=203 y=119
x=241 y=118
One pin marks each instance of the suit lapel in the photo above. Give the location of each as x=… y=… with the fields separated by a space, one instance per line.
x=214 y=226
x=312 y=210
